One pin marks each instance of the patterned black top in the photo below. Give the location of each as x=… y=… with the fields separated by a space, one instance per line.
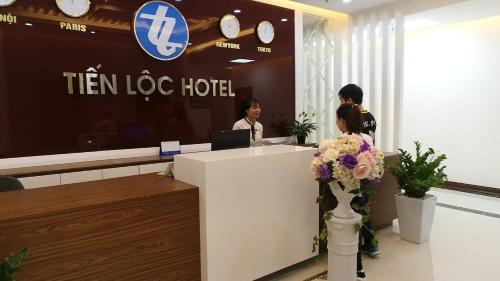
x=369 y=124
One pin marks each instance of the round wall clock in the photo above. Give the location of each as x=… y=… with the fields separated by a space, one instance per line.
x=73 y=8
x=230 y=26
x=265 y=32
x=5 y=3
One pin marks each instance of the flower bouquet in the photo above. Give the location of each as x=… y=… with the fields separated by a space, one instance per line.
x=343 y=163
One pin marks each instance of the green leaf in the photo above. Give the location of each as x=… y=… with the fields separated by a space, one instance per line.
x=357 y=227
x=323 y=235
x=12 y=265
x=366 y=209
x=327 y=216
x=315 y=243
x=365 y=219
x=355 y=191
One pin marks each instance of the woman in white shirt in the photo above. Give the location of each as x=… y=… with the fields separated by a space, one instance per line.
x=349 y=121
x=249 y=113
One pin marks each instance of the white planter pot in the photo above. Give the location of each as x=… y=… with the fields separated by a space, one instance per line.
x=415 y=217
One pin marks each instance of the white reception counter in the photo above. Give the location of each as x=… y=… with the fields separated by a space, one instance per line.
x=258 y=211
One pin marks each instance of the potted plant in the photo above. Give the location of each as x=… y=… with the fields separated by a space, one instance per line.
x=302 y=127
x=12 y=265
x=415 y=177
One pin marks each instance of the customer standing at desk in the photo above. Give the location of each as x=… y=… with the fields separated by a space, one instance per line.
x=249 y=113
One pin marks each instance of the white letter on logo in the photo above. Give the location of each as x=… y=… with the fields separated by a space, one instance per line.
x=159 y=36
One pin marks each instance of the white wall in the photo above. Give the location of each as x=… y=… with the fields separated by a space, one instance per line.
x=452 y=97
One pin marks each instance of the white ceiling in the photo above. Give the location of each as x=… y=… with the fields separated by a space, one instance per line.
x=460 y=12
x=348 y=8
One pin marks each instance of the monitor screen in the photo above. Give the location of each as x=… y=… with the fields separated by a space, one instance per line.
x=230 y=139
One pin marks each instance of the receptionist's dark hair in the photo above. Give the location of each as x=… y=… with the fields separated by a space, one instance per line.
x=246 y=104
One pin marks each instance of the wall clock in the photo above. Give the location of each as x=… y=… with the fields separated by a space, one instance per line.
x=265 y=32
x=230 y=26
x=5 y=3
x=73 y=8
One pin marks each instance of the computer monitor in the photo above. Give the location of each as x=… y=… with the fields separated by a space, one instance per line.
x=230 y=139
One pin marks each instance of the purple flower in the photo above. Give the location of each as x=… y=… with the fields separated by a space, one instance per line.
x=324 y=172
x=317 y=154
x=348 y=161
x=364 y=147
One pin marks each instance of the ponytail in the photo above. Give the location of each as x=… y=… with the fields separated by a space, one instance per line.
x=351 y=114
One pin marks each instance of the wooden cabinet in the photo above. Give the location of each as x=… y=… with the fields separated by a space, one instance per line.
x=142 y=227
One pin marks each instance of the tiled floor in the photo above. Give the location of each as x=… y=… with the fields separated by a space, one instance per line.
x=467 y=200
x=464 y=246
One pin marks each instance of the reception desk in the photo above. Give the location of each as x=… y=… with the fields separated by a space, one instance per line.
x=133 y=228
x=258 y=211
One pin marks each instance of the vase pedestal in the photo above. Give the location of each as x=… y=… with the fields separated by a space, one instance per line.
x=342 y=248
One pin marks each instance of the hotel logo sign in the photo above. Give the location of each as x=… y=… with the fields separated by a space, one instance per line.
x=161 y=30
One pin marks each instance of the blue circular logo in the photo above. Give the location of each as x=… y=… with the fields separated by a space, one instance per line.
x=161 y=30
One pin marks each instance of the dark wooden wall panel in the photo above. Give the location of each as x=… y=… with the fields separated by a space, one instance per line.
x=39 y=117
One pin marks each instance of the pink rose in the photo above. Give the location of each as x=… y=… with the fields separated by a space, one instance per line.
x=374 y=151
x=362 y=169
x=368 y=157
x=357 y=137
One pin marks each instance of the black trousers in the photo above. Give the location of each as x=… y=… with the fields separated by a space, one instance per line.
x=365 y=235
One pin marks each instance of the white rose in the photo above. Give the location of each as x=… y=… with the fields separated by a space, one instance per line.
x=314 y=166
x=330 y=155
x=325 y=145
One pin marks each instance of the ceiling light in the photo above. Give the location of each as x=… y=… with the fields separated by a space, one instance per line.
x=284 y=19
x=237 y=11
x=346 y=1
x=93 y=32
x=242 y=61
x=28 y=24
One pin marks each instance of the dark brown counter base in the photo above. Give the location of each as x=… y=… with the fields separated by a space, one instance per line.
x=134 y=228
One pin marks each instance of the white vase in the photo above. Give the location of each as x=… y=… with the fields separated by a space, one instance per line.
x=344 y=198
x=415 y=217
x=342 y=237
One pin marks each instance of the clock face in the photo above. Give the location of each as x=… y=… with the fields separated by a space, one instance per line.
x=5 y=3
x=265 y=32
x=230 y=26
x=73 y=8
